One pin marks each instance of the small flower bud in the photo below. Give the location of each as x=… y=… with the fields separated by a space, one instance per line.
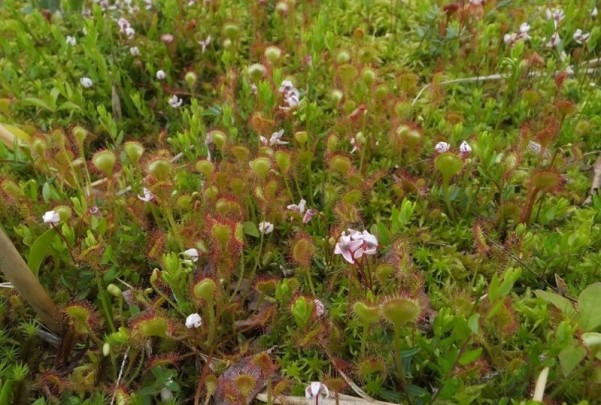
x=260 y=167
x=256 y=71
x=134 y=151
x=114 y=290
x=301 y=137
x=105 y=162
x=205 y=167
x=272 y=54
x=191 y=78
x=160 y=169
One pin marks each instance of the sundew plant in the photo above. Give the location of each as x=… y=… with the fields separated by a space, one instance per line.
x=300 y=201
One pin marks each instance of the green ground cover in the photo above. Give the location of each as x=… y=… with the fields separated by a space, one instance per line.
x=390 y=199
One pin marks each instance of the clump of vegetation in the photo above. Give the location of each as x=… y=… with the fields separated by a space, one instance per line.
x=238 y=201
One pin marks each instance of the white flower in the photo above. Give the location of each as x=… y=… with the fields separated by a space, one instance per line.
x=554 y=41
x=51 y=217
x=555 y=14
x=476 y=2
x=265 y=227
x=192 y=254
x=285 y=86
x=594 y=12
x=86 y=82
x=161 y=74
x=134 y=51
x=315 y=389
x=465 y=148
x=308 y=215
x=300 y=207
x=147 y=197
x=442 y=147
x=148 y=4
x=175 y=101
x=356 y=244
x=167 y=38
x=193 y=321
x=274 y=140
x=130 y=32
x=123 y=25
x=523 y=34
x=205 y=43
x=510 y=38
x=166 y=394
x=581 y=37
x=320 y=309
x=71 y=40
x=291 y=94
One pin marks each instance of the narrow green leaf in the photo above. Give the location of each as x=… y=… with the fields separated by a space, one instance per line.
x=470 y=356
x=40 y=249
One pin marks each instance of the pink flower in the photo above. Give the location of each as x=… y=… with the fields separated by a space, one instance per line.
x=123 y=25
x=203 y=44
x=167 y=38
x=308 y=215
x=147 y=197
x=320 y=309
x=291 y=94
x=51 y=217
x=554 y=41
x=274 y=140
x=442 y=147
x=356 y=244
x=581 y=37
x=316 y=389
x=300 y=207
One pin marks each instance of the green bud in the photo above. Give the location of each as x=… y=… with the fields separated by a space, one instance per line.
x=282 y=159
x=336 y=96
x=365 y=313
x=191 y=79
x=134 y=151
x=302 y=309
x=154 y=276
x=256 y=71
x=343 y=57
x=184 y=202
x=154 y=327
x=272 y=54
x=80 y=134
x=400 y=311
x=240 y=152
x=260 y=167
x=448 y=164
x=341 y=164
x=105 y=162
x=231 y=31
x=211 y=193
x=160 y=169
x=114 y=290
x=205 y=290
x=332 y=144
x=368 y=76
x=219 y=139
x=301 y=137
x=205 y=167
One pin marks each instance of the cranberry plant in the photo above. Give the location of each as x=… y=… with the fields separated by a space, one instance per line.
x=230 y=199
